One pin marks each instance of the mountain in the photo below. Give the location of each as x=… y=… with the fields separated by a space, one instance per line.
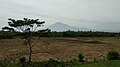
x=64 y=27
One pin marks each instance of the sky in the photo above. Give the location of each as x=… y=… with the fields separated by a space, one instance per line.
x=101 y=15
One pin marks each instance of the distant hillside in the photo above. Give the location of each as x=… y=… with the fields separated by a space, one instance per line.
x=64 y=27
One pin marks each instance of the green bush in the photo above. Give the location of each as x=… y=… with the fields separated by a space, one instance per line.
x=81 y=57
x=22 y=60
x=71 y=63
x=49 y=63
x=113 y=55
x=6 y=35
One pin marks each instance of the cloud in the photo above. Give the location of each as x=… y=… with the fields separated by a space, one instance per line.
x=97 y=14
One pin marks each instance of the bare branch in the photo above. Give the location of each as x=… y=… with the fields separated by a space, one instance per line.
x=36 y=42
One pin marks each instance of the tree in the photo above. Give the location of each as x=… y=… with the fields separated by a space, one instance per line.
x=8 y=29
x=118 y=36
x=27 y=27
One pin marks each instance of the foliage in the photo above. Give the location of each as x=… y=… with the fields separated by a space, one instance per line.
x=80 y=56
x=115 y=63
x=113 y=55
x=49 y=33
x=6 y=35
x=26 y=27
x=22 y=60
x=49 y=63
x=79 y=34
x=7 y=29
x=72 y=62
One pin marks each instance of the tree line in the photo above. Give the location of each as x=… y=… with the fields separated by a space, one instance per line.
x=49 y=33
x=82 y=34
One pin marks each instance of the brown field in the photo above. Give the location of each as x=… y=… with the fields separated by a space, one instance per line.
x=61 y=49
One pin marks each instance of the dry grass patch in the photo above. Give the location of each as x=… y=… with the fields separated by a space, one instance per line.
x=62 y=49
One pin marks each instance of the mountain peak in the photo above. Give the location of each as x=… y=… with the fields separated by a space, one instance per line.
x=59 y=26
x=59 y=23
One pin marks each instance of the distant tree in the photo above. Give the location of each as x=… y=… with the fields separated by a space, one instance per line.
x=27 y=27
x=118 y=36
x=7 y=29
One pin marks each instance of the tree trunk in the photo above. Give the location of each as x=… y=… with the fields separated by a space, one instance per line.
x=30 y=53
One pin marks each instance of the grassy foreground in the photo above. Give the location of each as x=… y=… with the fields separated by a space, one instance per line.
x=115 y=63
x=101 y=64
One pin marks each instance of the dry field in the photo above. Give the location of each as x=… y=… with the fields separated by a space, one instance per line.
x=61 y=49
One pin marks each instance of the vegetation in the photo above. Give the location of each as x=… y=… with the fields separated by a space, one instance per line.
x=6 y=35
x=113 y=55
x=82 y=34
x=63 y=50
x=49 y=33
x=26 y=27
x=8 y=29
x=80 y=56
x=22 y=60
x=100 y=64
x=115 y=63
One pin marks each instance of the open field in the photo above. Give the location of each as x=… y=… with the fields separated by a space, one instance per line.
x=61 y=49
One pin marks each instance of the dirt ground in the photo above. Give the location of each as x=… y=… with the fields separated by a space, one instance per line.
x=61 y=49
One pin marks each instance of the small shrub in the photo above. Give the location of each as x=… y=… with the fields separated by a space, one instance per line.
x=22 y=60
x=54 y=63
x=95 y=59
x=71 y=63
x=113 y=55
x=80 y=56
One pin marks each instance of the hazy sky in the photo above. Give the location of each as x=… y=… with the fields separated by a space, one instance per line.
x=92 y=14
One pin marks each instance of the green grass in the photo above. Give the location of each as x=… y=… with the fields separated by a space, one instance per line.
x=101 y=64
x=115 y=63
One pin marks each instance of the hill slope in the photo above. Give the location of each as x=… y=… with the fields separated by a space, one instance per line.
x=64 y=27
